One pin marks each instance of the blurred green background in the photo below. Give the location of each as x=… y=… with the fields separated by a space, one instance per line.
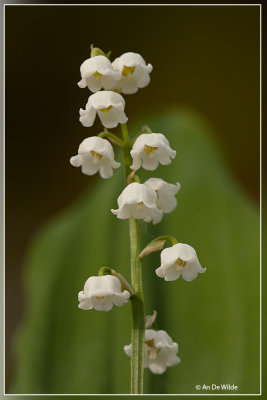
x=204 y=95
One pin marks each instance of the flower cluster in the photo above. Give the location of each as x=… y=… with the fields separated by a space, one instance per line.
x=147 y=201
x=150 y=200
x=127 y=73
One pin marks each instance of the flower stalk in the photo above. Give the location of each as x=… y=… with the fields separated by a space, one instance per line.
x=137 y=301
x=113 y=138
x=138 y=315
x=127 y=159
x=157 y=244
x=124 y=284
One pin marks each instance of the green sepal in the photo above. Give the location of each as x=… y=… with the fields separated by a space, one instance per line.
x=96 y=51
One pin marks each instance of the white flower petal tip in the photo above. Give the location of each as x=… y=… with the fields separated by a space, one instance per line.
x=149 y=150
x=95 y=154
x=139 y=201
x=133 y=71
x=101 y=293
x=180 y=259
x=76 y=161
x=166 y=192
x=97 y=73
x=160 y=351
x=108 y=105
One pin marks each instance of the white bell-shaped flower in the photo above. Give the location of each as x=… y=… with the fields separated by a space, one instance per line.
x=108 y=105
x=95 y=154
x=180 y=259
x=166 y=200
x=149 y=150
x=160 y=351
x=97 y=73
x=139 y=201
x=101 y=292
x=134 y=72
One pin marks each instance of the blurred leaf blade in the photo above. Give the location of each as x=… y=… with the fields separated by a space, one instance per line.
x=215 y=319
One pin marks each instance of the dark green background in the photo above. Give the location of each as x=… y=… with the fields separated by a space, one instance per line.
x=205 y=59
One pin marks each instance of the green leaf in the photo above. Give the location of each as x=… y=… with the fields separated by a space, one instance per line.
x=215 y=319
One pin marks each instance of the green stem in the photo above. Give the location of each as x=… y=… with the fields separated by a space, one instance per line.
x=138 y=314
x=104 y=271
x=124 y=283
x=170 y=238
x=125 y=133
x=115 y=139
x=126 y=150
x=137 y=301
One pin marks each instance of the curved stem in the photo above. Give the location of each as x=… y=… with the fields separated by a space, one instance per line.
x=124 y=283
x=157 y=244
x=170 y=238
x=133 y=178
x=113 y=138
x=104 y=271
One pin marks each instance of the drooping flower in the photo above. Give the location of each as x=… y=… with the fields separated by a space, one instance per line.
x=108 y=105
x=149 y=150
x=95 y=154
x=139 y=201
x=160 y=351
x=166 y=200
x=97 y=73
x=101 y=292
x=134 y=72
x=180 y=259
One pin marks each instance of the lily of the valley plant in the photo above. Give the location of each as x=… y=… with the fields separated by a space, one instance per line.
x=147 y=201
